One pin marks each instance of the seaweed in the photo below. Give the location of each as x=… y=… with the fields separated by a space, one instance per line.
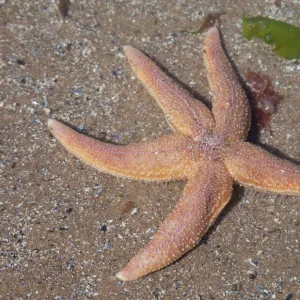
x=264 y=99
x=283 y=36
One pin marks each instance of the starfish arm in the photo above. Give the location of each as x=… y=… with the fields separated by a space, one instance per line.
x=167 y=158
x=251 y=165
x=204 y=197
x=185 y=114
x=230 y=104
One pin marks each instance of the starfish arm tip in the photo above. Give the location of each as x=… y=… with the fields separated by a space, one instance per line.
x=129 y=51
x=120 y=275
x=50 y=123
x=212 y=30
x=54 y=125
x=126 y=48
x=57 y=128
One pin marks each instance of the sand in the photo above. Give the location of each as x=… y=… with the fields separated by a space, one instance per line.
x=66 y=229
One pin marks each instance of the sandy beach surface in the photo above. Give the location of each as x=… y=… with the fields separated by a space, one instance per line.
x=66 y=229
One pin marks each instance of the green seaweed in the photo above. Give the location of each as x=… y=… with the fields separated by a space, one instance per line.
x=283 y=36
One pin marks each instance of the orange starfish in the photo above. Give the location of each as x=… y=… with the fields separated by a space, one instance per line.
x=207 y=149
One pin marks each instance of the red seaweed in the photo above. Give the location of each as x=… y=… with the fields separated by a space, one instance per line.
x=264 y=99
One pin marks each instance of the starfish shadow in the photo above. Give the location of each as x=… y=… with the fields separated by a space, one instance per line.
x=101 y=137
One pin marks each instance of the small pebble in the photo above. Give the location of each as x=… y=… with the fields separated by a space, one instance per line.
x=103 y=228
x=78 y=91
x=117 y=72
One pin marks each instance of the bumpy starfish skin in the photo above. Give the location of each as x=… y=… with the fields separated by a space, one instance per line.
x=252 y=166
x=230 y=104
x=207 y=149
x=185 y=114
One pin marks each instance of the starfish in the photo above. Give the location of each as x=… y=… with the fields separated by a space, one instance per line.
x=207 y=148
